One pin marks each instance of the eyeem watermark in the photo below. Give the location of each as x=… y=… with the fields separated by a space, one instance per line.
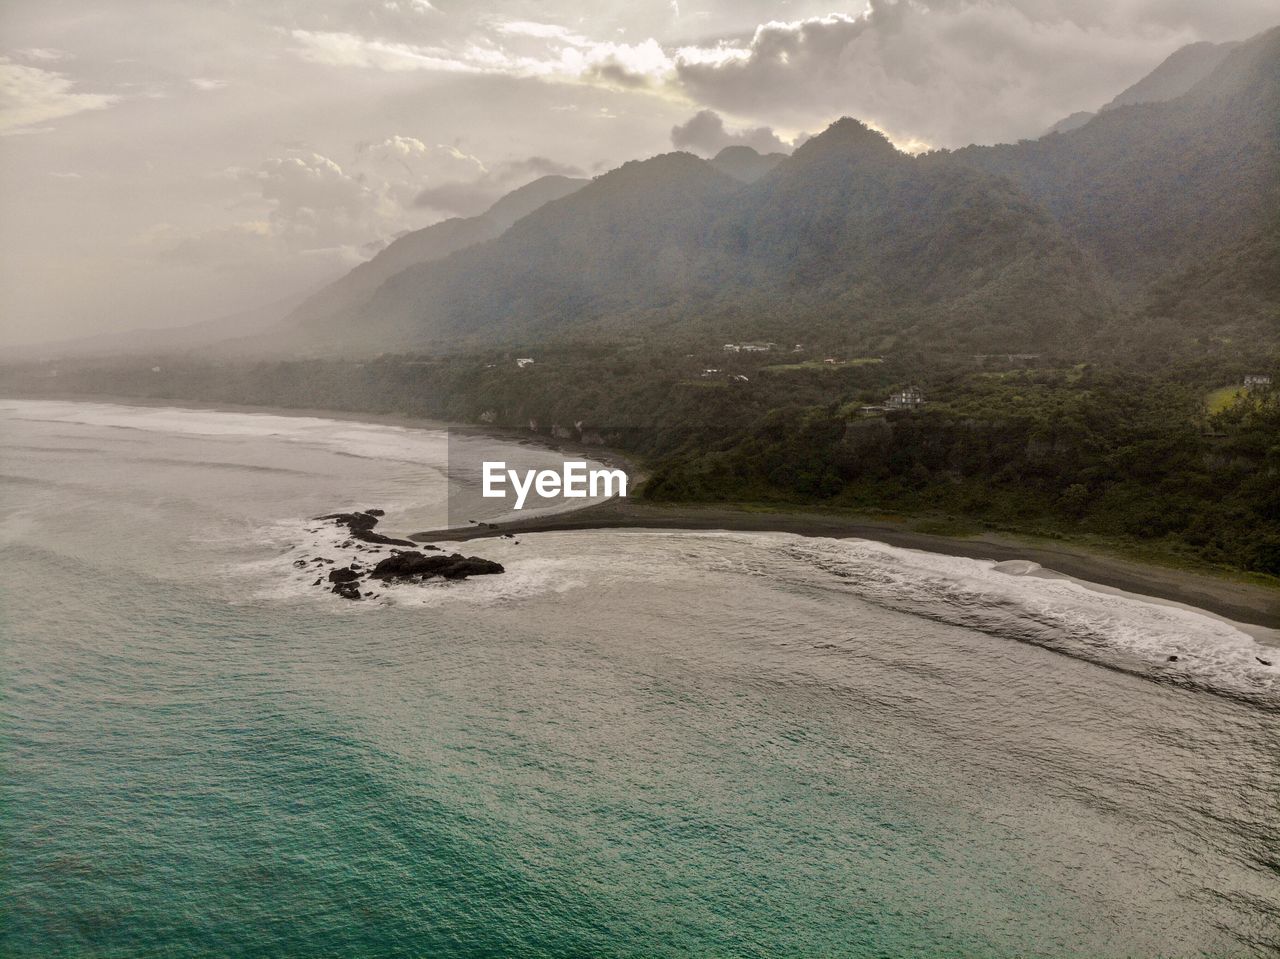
x=573 y=481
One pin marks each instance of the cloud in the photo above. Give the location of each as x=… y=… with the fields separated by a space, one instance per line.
x=313 y=200
x=45 y=54
x=932 y=72
x=517 y=49
x=927 y=72
x=298 y=204
x=473 y=196
x=31 y=97
x=302 y=203
x=705 y=132
x=547 y=31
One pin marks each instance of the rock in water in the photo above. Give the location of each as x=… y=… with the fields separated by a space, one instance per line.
x=347 y=590
x=400 y=566
x=361 y=525
x=413 y=565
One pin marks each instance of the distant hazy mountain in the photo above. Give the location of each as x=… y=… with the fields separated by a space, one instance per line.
x=1179 y=72
x=745 y=164
x=429 y=244
x=628 y=238
x=1072 y=122
x=177 y=339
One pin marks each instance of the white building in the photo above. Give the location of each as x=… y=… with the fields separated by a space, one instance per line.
x=908 y=399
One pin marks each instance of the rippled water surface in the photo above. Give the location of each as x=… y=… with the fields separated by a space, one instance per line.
x=632 y=743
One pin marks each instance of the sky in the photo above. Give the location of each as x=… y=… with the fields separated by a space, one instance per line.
x=164 y=162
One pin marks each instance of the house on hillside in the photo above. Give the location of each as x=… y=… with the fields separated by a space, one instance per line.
x=908 y=399
x=750 y=347
x=1257 y=381
x=523 y=361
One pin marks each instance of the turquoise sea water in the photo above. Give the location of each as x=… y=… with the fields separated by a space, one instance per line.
x=630 y=744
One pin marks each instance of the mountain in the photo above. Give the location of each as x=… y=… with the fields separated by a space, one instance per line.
x=429 y=244
x=1148 y=186
x=625 y=240
x=1180 y=71
x=204 y=335
x=851 y=232
x=1072 y=122
x=1176 y=75
x=1025 y=247
x=745 y=164
x=848 y=231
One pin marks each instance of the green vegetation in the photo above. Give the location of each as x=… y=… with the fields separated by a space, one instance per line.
x=1070 y=307
x=1118 y=454
x=823 y=364
x=1222 y=398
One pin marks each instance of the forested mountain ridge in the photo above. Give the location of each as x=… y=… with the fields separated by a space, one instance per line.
x=745 y=164
x=846 y=231
x=1088 y=236
x=1148 y=185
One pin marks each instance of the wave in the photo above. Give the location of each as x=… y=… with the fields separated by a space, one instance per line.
x=365 y=440
x=219 y=465
x=1015 y=600
x=1164 y=642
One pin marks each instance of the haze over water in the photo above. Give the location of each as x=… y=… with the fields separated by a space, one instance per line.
x=631 y=743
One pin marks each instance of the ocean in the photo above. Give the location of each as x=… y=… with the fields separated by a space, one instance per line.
x=632 y=743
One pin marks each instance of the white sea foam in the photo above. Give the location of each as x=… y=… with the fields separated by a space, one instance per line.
x=1014 y=599
x=1107 y=627
x=277 y=578
x=366 y=440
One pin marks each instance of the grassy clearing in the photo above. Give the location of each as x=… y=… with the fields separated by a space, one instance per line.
x=1220 y=399
x=824 y=365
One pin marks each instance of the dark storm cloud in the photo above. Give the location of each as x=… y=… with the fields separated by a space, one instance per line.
x=705 y=132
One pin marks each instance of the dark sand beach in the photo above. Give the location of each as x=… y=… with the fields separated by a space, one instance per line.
x=1236 y=599
x=1243 y=602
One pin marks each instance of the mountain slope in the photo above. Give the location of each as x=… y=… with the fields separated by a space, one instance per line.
x=429 y=244
x=847 y=234
x=626 y=240
x=1016 y=247
x=1175 y=76
x=855 y=232
x=1147 y=186
x=745 y=164
x=1180 y=71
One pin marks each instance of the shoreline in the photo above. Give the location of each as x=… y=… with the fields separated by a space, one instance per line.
x=1242 y=602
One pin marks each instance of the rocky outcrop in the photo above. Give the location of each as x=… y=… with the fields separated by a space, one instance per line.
x=409 y=566
x=416 y=566
x=361 y=525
